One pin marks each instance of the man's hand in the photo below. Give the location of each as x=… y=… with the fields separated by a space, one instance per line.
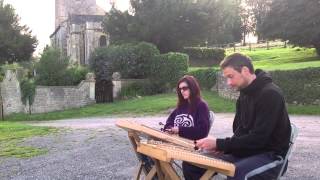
x=208 y=143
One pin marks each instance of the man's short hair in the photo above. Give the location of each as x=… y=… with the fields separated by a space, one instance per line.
x=237 y=61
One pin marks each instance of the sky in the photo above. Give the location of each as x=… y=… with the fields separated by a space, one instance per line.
x=39 y=16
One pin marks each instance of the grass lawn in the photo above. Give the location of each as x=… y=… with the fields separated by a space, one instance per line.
x=12 y=135
x=149 y=105
x=283 y=58
x=278 y=58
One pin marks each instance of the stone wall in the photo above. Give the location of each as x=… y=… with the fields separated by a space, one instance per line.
x=224 y=89
x=47 y=98
x=11 y=94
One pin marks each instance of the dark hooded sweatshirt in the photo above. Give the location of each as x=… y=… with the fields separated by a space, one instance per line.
x=261 y=123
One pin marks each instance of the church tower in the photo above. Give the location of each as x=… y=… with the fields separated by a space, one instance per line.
x=60 y=12
x=63 y=8
x=78 y=29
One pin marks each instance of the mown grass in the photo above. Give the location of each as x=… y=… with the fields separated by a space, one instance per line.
x=13 y=134
x=148 y=105
x=283 y=58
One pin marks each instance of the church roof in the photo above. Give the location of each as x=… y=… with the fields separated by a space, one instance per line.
x=80 y=19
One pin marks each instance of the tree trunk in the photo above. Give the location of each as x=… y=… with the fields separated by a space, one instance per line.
x=317 y=46
x=244 y=39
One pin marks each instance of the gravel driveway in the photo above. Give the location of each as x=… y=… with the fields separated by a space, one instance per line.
x=94 y=148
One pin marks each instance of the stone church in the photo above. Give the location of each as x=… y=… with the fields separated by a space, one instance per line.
x=78 y=29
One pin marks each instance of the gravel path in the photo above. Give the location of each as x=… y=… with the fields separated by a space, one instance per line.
x=94 y=148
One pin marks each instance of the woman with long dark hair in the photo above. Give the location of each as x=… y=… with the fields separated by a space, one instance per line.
x=190 y=119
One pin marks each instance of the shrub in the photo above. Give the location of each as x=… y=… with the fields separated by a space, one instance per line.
x=203 y=53
x=132 y=60
x=167 y=69
x=75 y=75
x=206 y=77
x=28 y=91
x=101 y=62
x=137 y=89
x=51 y=68
x=299 y=86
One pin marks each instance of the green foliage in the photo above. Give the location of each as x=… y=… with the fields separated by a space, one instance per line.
x=167 y=69
x=173 y=24
x=101 y=62
x=74 y=75
x=17 y=43
x=28 y=90
x=147 y=105
x=53 y=70
x=280 y=58
x=299 y=86
x=137 y=89
x=145 y=52
x=260 y=10
x=204 y=53
x=206 y=77
x=131 y=60
x=296 y=21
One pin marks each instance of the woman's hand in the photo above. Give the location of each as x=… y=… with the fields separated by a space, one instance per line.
x=173 y=130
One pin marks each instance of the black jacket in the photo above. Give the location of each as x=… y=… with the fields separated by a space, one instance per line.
x=261 y=123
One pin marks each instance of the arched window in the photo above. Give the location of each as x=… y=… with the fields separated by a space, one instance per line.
x=103 y=41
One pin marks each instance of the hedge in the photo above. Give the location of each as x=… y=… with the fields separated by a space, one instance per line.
x=132 y=60
x=206 y=77
x=204 y=53
x=300 y=86
x=167 y=69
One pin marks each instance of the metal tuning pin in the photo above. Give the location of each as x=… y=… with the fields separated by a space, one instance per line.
x=195 y=145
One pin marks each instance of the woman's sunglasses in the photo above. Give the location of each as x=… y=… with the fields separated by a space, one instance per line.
x=183 y=88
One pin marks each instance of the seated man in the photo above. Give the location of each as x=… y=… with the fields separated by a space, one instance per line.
x=261 y=125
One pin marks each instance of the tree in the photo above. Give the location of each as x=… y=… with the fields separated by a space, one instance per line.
x=227 y=27
x=169 y=24
x=17 y=43
x=294 y=20
x=259 y=9
x=247 y=21
x=51 y=69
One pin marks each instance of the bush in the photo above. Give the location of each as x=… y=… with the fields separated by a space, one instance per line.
x=138 y=89
x=75 y=75
x=101 y=62
x=299 y=86
x=204 y=53
x=206 y=77
x=132 y=60
x=167 y=69
x=53 y=70
x=28 y=91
